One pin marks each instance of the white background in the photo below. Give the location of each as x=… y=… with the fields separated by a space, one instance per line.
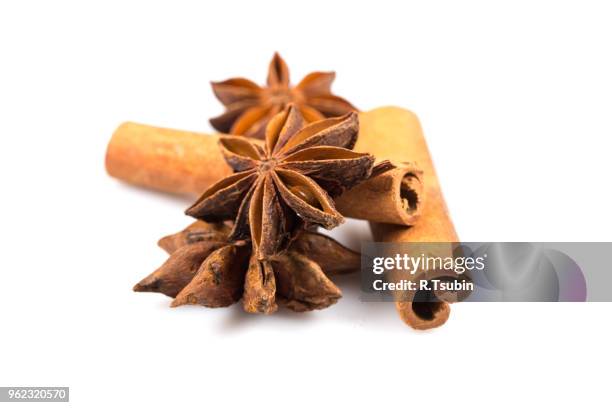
x=514 y=99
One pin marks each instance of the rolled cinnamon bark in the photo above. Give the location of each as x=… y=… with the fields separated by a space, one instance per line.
x=393 y=197
x=182 y=162
x=168 y=160
x=395 y=134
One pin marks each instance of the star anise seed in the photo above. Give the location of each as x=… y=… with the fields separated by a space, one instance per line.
x=250 y=107
x=205 y=268
x=287 y=182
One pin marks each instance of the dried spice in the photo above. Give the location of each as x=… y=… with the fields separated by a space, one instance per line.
x=280 y=192
x=397 y=194
x=396 y=134
x=249 y=107
x=182 y=162
x=285 y=184
x=205 y=268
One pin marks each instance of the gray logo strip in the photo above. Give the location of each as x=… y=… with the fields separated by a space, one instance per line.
x=487 y=271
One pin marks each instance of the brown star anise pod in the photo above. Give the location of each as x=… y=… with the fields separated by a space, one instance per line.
x=205 y=268
x=283 y=184
x=250 y=107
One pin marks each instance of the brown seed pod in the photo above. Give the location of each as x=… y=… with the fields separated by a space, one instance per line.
x=217 y=273
x=301 y=284
x=179 y=269
x=219 y=280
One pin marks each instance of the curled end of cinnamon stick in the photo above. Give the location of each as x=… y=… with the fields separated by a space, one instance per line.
x=411 y=193
x=398 y=194
x=427 y=309
x=423 y=315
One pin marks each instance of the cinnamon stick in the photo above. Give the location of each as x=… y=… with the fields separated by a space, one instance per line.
x=188 y=163
x=394 y=197
x=173 y=161
x=395 y=134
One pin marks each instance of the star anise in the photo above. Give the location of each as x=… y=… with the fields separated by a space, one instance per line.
x=250 y=107
x=283 y=184
x=205 y=268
